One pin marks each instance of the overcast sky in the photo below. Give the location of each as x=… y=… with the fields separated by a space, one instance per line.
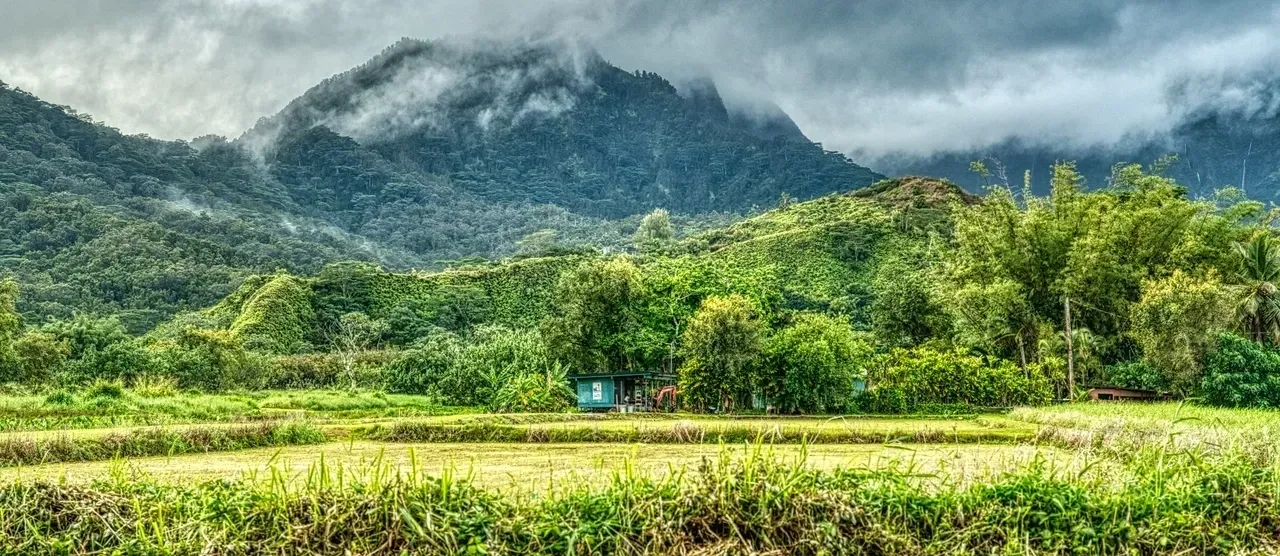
x=869 y=78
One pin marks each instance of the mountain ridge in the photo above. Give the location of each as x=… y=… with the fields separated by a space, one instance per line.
x=199 y=217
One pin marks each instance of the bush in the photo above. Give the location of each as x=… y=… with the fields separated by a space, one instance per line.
x=155 y=386
x=213 y=361
x=420 y=369
x=472 y=372
x=1241 y=373
x=121 y=360
x=39 y=355
x=61 y=397
x=105 y=389
x=1137 y=375
x=535 y=393
x=325 y=370
x=927 y=375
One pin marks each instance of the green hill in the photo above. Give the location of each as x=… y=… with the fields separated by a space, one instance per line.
x=816 y=255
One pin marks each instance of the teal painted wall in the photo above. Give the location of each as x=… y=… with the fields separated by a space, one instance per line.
x=587 y=389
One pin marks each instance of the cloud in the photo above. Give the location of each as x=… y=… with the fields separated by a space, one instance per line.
x=873 y=78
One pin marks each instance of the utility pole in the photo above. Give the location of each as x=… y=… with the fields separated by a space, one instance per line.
x=1244 y=167
x=1071 y=353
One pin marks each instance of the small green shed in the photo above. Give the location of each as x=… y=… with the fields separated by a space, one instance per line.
x=625 y=391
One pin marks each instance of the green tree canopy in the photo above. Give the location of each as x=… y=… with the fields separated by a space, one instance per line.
x=596 y=326
x=1258 y=309
x=722 y=347
x=812 y=363
x=1177 y=321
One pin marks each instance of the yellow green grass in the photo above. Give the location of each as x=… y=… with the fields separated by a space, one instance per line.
x=540 y=466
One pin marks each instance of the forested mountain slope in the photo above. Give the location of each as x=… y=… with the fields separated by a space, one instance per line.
x=819 y=255
x=428 y=153
x=540 y=122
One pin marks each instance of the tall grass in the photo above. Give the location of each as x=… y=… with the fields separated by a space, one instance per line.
x=1163 y=504
x=683 y=432
x=1122 y=430
x=154 y=442
x=152 y=403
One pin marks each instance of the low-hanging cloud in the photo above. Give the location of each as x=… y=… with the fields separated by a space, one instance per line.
x=873 y=78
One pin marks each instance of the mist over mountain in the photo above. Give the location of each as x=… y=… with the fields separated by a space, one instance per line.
x=552 y=122
x=1210 y=150
x=431 y=152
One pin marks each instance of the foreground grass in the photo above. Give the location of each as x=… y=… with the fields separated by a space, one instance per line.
x=1165 y=504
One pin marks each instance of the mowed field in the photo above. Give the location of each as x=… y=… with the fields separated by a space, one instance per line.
x=315 y=472
x=296 y=435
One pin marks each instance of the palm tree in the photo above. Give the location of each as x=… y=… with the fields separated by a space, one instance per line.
x=1259 y=307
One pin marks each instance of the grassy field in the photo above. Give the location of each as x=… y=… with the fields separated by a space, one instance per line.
x=66 y=410
x=539 y=467
x=321 y=472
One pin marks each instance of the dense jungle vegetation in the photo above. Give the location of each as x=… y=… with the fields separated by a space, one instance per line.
x=941 y=301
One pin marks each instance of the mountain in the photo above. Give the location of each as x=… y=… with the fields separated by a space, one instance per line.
x=431 y=152
x=544 y=123
x=1213 y=151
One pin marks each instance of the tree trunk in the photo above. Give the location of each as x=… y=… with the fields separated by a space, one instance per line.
x=1071 y=354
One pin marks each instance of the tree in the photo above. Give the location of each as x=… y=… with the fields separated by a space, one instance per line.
x=350 y=336
x=812 y=363
x=904 y=307
x=596 y=325
x=995 y=318
x=722 y=348
x=10 y=326
x=1095 y=248
x=1258 y=310
x=39 y=355
x=655 y=229
x=1176 y=322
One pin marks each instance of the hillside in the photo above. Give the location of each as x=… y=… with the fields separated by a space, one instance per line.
x=815 y=255
x=372 y=166
x=1213 y=152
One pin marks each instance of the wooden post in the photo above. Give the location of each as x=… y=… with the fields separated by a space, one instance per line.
x=1071 y=354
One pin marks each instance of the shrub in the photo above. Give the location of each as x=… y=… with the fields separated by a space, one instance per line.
x=420 y=369
x=1241 y=373
x=107 y=389
x=121 y=360
x=325 y=370
x=154 y=386
x=927 y=375
x=61 y=397
x=39 y=355
x=1136 y=374
x=536 y=392
x=494 y=356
